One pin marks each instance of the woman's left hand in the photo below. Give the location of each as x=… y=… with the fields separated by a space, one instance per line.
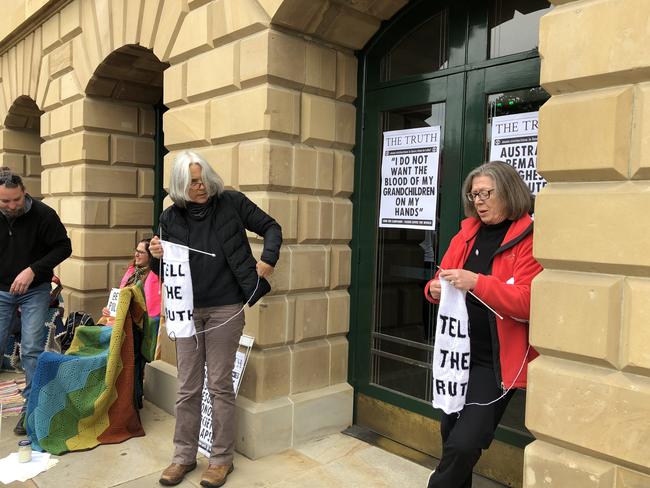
x=264 y=270
x=460 y=278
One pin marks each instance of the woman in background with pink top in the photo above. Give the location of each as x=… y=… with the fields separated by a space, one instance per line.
x=139 y=271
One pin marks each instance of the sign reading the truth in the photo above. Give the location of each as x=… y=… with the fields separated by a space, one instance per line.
x=514 y=140
x=409 y=178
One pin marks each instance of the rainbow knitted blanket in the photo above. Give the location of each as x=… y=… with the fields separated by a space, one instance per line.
x=90 y=395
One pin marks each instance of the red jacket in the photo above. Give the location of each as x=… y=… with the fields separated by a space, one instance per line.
x=506 y=290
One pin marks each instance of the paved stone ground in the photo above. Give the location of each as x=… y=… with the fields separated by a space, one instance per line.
x=335 y=461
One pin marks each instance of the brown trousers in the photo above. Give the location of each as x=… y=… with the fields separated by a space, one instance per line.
x=218 y=348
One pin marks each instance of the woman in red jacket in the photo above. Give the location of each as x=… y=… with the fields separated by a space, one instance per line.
x=492 y=256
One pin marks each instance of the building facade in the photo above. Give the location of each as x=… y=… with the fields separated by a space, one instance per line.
x=288 y=100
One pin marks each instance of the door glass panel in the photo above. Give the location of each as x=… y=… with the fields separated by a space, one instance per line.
x=422 y=50
x=513 y=103
x=403 y=330
x=514 y=25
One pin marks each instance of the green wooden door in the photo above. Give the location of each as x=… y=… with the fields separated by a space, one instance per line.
x=435 y=64
x=389 y=271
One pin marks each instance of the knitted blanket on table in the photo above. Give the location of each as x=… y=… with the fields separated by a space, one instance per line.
x=89 y=396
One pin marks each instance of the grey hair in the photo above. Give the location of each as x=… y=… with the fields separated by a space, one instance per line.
x=10 y=179
x=508 y=186
x=179 y=182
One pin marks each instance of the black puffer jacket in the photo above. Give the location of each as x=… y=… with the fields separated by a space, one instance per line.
x=233 y=214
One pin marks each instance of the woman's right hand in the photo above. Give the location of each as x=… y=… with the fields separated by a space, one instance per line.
x=105 y=312
x=434 y=289
x=155 y=247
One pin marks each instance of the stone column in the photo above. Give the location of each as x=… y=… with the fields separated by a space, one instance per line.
x=276 y=121
x=589 y=391
x=97 y=160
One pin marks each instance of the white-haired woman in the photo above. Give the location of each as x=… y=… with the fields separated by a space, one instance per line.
x=205 y=216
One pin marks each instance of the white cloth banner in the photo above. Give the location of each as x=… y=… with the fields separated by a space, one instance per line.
x=451 y=350
x=179 y=297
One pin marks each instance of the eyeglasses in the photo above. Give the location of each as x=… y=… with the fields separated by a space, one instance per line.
x=194 y=185
x=482 y=195
x=139 y=253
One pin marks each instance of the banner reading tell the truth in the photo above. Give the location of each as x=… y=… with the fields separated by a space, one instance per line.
x=179 y=297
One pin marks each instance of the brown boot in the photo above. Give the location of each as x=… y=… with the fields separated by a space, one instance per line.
x=216 y=475
x=174 y=473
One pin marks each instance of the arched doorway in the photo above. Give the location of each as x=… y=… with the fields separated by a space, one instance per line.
x=132 y=76
x=115 y=154
x=451 y=68
x=21 y=143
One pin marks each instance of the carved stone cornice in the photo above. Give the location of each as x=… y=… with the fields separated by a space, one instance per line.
x=31 y=23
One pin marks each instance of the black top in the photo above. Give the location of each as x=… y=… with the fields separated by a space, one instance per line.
x=213 y=274
x=488 y=239
x=37 y=239
x=222 y=230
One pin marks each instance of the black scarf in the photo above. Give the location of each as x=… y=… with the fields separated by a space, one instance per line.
x=199 y=211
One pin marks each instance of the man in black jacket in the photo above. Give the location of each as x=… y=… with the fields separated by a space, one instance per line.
x=32 y=242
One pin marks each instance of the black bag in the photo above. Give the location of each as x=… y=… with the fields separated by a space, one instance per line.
x=75 y=319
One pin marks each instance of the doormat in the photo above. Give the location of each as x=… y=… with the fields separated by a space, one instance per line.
x=10 y=398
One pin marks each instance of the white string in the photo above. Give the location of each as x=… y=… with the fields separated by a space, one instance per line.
x=521 y=368
x=470 y=292
x=172 y=336
x=196 y=250
x=223 y=323
x=160 y=281
x=179 y=245
x=240 y=311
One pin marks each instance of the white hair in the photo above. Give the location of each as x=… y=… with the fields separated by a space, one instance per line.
x=179 y=182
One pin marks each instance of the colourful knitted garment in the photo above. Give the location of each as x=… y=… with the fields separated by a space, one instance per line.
x=89 y=396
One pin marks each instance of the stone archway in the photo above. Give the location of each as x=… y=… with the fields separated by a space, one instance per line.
x=84 y=156
x=111 y=159
x=20 y=143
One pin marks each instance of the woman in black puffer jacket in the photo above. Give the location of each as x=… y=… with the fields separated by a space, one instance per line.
x=207 y=217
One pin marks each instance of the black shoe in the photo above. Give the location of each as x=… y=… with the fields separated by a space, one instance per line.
x=20 y=426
